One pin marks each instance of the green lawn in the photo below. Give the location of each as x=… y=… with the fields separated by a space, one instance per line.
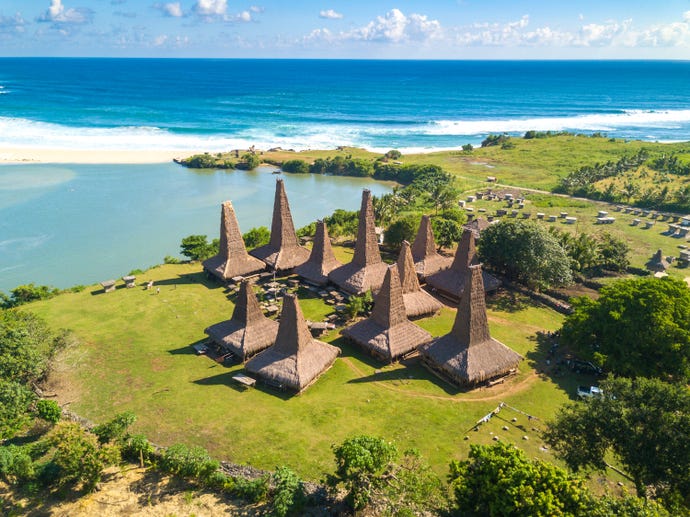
x=134 y=354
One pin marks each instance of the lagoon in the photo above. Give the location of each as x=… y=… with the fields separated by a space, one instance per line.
x=80 y=224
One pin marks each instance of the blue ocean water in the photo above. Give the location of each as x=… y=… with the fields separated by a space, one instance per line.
x=213 y=105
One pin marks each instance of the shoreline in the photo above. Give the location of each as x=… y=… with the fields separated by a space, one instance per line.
x=35 y=155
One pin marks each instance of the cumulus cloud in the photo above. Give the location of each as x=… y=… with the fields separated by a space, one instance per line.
x=171 y=9
x=330 y=14
x=57 y=13
x=12 y=24
x=211 y=7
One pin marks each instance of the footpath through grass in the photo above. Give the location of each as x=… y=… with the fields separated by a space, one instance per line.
x=135 y=355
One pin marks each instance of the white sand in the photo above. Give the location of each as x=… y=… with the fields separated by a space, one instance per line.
x=37 y=155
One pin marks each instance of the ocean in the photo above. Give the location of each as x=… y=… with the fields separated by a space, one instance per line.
x=217 y=105
x=77 y=224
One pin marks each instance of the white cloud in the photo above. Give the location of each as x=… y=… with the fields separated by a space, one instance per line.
x=172 y=9
x=256 y=9
x=12 y=24
x=211 y=7
x=57 y=13
x=244 y=16
x=160 y=40
x=330 y=14
x=396 y=27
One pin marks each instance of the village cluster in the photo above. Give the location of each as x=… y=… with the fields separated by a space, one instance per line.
x=284 y=353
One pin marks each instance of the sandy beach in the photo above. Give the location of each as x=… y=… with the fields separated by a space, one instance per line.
x=38 y=155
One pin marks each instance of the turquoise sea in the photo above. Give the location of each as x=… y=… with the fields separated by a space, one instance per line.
x=64 y=225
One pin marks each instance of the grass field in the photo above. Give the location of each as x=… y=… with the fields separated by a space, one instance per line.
x=135 y=355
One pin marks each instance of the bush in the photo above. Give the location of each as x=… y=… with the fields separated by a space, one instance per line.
x=288 y=494
x=49 y=410
x=188 y=462
x=252 y=490
x=28 y=293
x=295 y=166
x=393 y=154
x=197 y=247
x=256 y=237
x=492 y=140
x=250 y=161
x=169 y=259
x=116 y=429
x=468 y=148
x=403 y=229
x=137 y=447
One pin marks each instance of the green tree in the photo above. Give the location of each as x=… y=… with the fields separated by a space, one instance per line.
x=250 y=161
x=446 y=232
x=500 y=480
x=115 y=430
x=25 y=346
x=362 y=463
x=526 y=252
x=403 y=229
x=295 y=166
x=15 y=401
x=393 y=154
x=49 y=410
x=197 y=247
x=614 y=253
x=256 y=237
x=78 y=456
x=644 y=423
x=637 y=327
x=468 y=148
x=288 y=493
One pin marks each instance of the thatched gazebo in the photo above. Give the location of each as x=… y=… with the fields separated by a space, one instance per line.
x=232 y=259
x=451 y=282
x=283 y=252
x=366 y=270
x=658 y=263
x=297 y=359
x=468 y=355
x=321 y=260
x=248 y=332
x=417 y=301
x=427 y=260
x=387 y=334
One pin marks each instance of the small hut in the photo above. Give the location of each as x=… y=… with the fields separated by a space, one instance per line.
x=468 y=355
x=658 y=263
x=283 y=252
x=366 y=270
x=427 y=260
x=387 y=334
x=297 y=359
x=232 y=259
x=451 y=282
x=248 y=332
x=321 y=260
x=417 y=301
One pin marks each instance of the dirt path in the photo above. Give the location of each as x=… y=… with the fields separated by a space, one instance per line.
x=500 y=390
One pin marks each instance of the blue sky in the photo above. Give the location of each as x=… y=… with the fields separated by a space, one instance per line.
x=406 y=29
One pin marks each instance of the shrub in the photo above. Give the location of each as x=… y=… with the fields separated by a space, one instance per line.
x=188 y=462
x=295 y=166
x=137 y=447
x=252 y=490
x=49 y=410
x=115 y=429
x=169 y=259
x=257 y=237
x=403 y=229
x=197 y=247
x=288 y=494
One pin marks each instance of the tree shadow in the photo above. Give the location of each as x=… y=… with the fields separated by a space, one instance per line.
x=508 y=301
x=188 y=279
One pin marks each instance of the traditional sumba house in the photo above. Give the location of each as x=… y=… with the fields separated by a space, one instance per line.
x=477 y=226
x=451 y=282
x=232 y=259
x=366 y=270
x=417 y=301
x=657 y=264
x=248 y=332
x=297 y=359
x=387 y=334
x=427 y=260
x=283 y=252
x=468 y=355
x=321 y=260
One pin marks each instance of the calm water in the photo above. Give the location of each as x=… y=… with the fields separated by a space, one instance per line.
x=215 y=104
x=80 y=224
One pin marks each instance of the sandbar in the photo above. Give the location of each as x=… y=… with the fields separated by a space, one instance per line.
x=89 y=156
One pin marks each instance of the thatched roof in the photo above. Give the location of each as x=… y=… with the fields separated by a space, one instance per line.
x=417 y=301
x=477 y=226
x=366 y=270
x=283 y=252
x=248 y=332
x=427 y=260
x=468 y=355
x=451 y=282
x=657 y=263
x=297 y=359
x=232 y=259
x=321 y=260
x=387 y=334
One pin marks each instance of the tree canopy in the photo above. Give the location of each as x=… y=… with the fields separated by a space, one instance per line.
x=637 y=327
x=644 y=422
x=526 y=252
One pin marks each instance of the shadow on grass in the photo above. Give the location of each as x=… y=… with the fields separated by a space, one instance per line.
x=188 y=279
x=187 y=349
x=509 y=301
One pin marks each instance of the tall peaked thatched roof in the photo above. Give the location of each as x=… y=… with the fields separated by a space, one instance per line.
x=417 y=301
x=477 y=226
x=451 y=282
x=387 y=334
x=427 y=260
x=232 y=259
x=366 y=270
x=321 y=260
x=468 y=355
x=657 y=263
x=283 y=252
x=248 y=332
x=297 y=359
